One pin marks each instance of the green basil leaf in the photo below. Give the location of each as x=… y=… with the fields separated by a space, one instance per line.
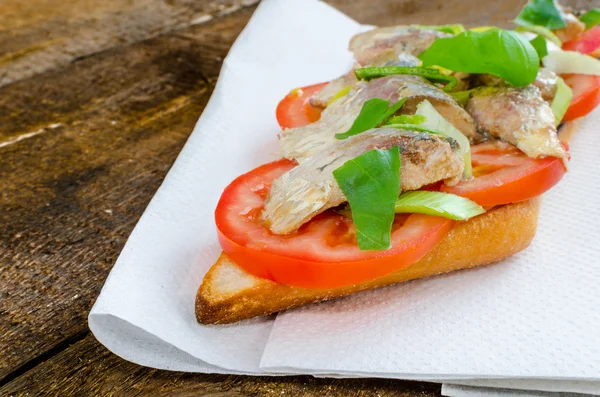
x=499 y=52
x=591 y=18
x=373 y=113
x=371 y=183
x=431 y=74
x=540 y=45
x=544 y=13
x=415 y=119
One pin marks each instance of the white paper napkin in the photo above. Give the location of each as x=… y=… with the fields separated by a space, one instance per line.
x=532 y=317
x=145 y=312
x=470 y=391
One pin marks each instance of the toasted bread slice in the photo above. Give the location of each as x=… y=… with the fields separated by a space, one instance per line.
x=229 y=294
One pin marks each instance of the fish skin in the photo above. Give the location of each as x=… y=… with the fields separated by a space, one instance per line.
x=386 y=58
x=402 y=38
x=546 y=80
x=519 y=116
x=303 y=142
x=310 y=188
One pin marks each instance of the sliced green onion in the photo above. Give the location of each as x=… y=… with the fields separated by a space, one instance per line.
x=562 y=100
x=414 y=127
x=542 y=31
x=452 y=29
x=431 y=74
x=407 y=119
x=480 y=29
x=461 y=97
x=563 y=62
x=437 y=122
x=438 y=204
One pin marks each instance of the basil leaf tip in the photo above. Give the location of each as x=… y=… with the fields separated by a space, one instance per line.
x=546 y=13
x=373 y=113
x=371 y=184
x=499 y=52
x=591 y=18
x=540 y=45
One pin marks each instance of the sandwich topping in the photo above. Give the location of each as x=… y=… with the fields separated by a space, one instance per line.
x=519 y=116
x=431 y=125
x=311 y=188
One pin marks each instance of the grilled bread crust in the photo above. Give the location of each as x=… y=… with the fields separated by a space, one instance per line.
x=229 y=294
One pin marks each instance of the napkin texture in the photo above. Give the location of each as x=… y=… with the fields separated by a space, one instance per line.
x=145 y=312
x=469 y=391
x=531 y=318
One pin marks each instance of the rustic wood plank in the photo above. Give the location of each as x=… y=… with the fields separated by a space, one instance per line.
x=432 y=12
x=43 y=34
x=93 y=371
x=71 y=194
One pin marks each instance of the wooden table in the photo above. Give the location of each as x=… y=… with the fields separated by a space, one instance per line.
x=96 y=100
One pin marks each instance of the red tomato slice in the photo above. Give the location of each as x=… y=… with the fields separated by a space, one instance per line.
x=323 y=253
x=295 y=111
x=587 y=43
x=586 y=94
x=503 y=174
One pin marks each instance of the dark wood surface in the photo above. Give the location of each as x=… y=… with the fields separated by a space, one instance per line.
x=96 y=100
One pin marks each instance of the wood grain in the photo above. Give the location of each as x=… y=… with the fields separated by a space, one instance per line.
x=91 y=121
x=39 y=35
x=109 y=128
x=93 y=371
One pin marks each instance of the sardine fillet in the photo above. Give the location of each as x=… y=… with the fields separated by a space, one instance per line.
x=519 y=116
x=310 y=188
x=304 y=142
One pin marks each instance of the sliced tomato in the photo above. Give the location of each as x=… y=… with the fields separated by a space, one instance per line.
x=295 y=110
x=323 y=253
x=503 y=174
x=586 y=94
x=587 y=43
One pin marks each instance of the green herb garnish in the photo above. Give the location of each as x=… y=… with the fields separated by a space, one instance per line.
x=461 y=97
x=591 y=18
x=371 y=183
x=435 y=121
x=415 y=119
x=562 y=100
x=498 y=52
x=540 y=45
x=373 y=113
x=452 y=29
x=544 y=13
x=431 y=74
x=438 y=204
x=414 y=127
